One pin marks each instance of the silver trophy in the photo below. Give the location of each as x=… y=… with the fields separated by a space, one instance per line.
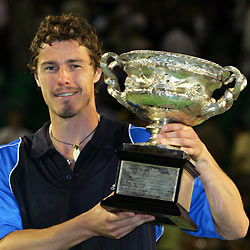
x=163 y=87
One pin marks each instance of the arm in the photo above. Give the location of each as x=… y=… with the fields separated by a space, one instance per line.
x=224 y=199
x=95 y=222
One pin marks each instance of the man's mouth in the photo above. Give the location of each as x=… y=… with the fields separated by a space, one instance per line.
x=66 y=94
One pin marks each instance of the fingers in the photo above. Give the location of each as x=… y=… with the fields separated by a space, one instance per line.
x=126 y=226
x=177 y=134
x=129 y=219
x=174 y=127
x=101 y=222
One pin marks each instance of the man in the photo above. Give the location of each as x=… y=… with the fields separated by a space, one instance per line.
x=51 y=183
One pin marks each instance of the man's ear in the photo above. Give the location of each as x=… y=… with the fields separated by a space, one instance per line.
x=37 y=80
x=98 y=75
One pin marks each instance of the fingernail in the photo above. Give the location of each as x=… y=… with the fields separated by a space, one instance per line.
x=149 y=217
x=131 y=214
x=164 y=140
x=165 y=127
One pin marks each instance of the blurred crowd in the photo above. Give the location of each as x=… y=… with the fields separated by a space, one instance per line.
x=218 y=31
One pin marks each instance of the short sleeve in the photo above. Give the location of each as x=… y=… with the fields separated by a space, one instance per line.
x=201 y=214
x=10 y=218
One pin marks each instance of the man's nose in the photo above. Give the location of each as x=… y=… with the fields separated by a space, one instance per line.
x=64 y=76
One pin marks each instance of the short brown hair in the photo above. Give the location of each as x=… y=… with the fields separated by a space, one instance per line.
x=62 y=28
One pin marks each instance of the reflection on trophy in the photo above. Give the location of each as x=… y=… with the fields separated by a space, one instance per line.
x=163 y=87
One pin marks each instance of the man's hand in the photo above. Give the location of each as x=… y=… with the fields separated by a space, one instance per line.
x=113 y=225
x=95 y=222
x=177 y=134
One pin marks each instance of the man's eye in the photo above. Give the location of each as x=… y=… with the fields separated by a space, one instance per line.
x=50 y=68
x=75 y=66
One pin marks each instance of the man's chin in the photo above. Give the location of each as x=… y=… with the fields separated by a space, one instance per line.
x=66 y=114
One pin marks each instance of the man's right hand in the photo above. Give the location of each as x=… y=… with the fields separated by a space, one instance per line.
x=95 y=222
x=113 y=225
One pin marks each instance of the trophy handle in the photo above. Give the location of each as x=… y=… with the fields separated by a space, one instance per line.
x=110 y=78
x=228 y=74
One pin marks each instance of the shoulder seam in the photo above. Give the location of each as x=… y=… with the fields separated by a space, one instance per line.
x=129 y=133
x=10 y=145
x=17 y=160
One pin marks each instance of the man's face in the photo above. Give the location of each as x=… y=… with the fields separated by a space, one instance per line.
x=66 y=78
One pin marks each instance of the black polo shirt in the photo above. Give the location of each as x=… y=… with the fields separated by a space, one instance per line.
x=48 y=192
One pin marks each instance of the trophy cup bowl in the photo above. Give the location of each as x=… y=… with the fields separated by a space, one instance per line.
x=163 y=87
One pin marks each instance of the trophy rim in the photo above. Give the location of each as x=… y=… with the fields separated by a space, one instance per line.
x=167 y=53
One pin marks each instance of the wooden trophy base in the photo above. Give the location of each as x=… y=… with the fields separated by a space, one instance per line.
x=156 y=181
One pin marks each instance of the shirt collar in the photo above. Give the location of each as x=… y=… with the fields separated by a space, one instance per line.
x=103 y=137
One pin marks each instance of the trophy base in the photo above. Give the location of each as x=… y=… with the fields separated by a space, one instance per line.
x=156 y=181
x=165 y=213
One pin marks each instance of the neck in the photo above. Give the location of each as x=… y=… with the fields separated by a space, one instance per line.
x=73 y=131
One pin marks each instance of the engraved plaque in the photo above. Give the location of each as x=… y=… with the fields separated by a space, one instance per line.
x=147 y=180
